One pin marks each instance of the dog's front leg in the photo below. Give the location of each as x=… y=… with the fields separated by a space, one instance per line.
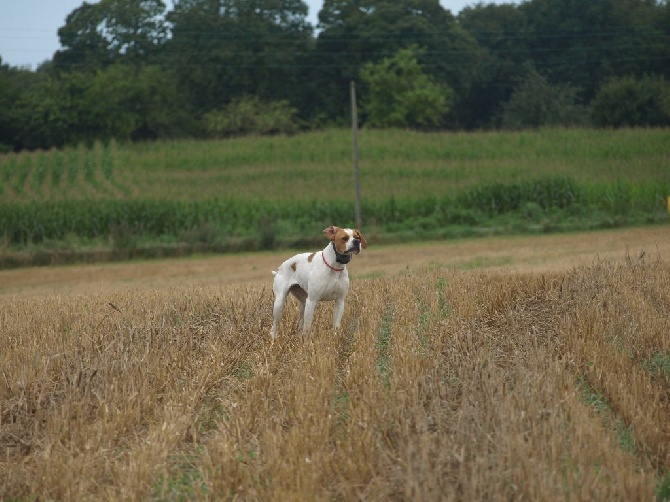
x=277 y=312
x=338 y=310
x=310 y=305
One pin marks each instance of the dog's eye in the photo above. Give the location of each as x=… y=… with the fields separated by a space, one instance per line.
x=345 y=238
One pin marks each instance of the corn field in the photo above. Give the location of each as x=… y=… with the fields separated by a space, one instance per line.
x=165 y=198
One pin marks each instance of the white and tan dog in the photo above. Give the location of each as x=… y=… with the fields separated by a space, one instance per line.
x=314 y=277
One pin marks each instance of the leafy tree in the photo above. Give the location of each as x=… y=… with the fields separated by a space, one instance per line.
x=225 y=49
x=356 y=32
x=129 y=70
x=96 y=35
x=130 y=103
x=14 y=82
x=585 y=43
x=537 y=103
x=122 y=102
x=629 y=102
x=662 y=25
x=48 y=110
x=400 y=94
x=83 y=44
x=499 y=30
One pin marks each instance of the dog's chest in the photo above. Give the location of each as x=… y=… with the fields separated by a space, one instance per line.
x=335 y=287
x=321 y=283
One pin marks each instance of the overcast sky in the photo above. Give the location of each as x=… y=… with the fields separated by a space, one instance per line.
x=28 y=28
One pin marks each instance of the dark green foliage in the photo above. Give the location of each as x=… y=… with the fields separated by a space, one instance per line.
x=224 y=50
x=118 y=102
x=401 y=94
x=633 y=102
x=498 y=30
x=250 y=116
x=14 y=84
x=46 y=111
x=536 y=103
x=129 y=103
x=135 y=71
x=585 y=43
x=354 y=34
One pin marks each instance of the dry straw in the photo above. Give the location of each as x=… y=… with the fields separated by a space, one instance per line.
x=441 y=385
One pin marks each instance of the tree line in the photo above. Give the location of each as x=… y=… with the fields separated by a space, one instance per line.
x=136 y=70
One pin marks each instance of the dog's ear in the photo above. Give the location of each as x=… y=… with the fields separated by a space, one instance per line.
x=330 y=232
x=360 y=237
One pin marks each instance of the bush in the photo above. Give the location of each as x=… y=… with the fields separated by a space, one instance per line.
x=252 y=116
x=401 y=94
x=627 y=102
x=536 y=103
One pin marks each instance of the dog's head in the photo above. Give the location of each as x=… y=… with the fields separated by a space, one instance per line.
x=346 y=240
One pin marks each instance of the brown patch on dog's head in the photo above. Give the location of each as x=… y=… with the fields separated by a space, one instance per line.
x=310 y=257
x=358 y=235
x=340 y=238
x=294 y=265
x=346 y=240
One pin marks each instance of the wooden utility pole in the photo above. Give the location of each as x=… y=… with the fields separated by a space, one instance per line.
x=354 y=141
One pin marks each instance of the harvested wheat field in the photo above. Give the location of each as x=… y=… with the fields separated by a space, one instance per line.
x=444 y=383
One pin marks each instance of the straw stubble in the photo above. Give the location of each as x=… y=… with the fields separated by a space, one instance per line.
x=441 y=384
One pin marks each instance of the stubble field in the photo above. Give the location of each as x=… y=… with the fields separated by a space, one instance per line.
x=533 y=368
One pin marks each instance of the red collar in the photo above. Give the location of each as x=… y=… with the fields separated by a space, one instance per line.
x=329 y=265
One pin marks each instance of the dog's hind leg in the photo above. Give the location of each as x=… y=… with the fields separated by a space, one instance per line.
x=301 y=317
x=301 y=295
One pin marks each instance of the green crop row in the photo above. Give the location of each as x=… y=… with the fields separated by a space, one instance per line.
x=617 y=198
x=215 y=220
x=318 y=165
x=59 y=174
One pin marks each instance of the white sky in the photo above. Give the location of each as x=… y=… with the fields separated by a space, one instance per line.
x=28 y=28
